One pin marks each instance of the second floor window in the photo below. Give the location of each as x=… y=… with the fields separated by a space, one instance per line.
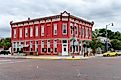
x=64 y=28
x=82 y=30
x=76 y=30
x=55 y=45
x=14 y=33
x=90 y=32
x=71 y=28
x=31 y=31
x=26 y=32
x=48 y=44
x=55 y=29
x=36 y=46
x=42 y=44
x=87 y=32
x=42 y=30
x=36 y=30
x=20 y=30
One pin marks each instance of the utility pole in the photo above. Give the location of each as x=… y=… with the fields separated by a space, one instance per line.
x=107 y=36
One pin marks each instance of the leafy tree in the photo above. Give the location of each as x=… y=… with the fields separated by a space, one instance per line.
x=5 y=43
x=116 y=44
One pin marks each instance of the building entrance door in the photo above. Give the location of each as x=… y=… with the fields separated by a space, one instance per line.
x=64 y=48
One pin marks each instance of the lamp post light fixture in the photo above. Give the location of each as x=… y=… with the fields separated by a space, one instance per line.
x=107 y=36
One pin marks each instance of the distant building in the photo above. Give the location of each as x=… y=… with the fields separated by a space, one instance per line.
x=103 y=39
x=51 y=35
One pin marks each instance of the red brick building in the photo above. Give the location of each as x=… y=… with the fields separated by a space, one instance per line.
x=51 y=35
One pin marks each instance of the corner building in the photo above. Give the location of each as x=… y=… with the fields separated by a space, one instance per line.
x=51 y=35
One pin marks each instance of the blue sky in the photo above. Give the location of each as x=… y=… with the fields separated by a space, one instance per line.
x=102 y=12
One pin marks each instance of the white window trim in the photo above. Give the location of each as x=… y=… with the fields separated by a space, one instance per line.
x=90 y=32
x=30 y=45
x=36 y=45
x=36 y=30
x=42 y=30
x=31 y=31
x=63 y=28
x=20 y=31
x=82 y=33
x=26 y=32
x=55 y=45
x=42 y=45
x=48 y=45
x=87 y=33
x=77 y=30
x=71 y=25
x=55 y=29
x=14 y=33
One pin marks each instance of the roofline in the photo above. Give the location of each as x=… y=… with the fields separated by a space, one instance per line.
x=82 y=19
x=30 y=20
x=36 y=19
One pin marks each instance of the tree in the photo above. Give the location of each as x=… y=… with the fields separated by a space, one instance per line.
x=5 y=43
x=116 y=44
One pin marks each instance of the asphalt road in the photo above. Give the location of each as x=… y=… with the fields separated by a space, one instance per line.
x=90 y=69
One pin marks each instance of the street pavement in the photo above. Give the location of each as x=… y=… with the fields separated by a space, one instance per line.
x=49 y=57
x=98 y=68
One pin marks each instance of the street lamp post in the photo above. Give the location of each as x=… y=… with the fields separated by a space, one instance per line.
x=107 y=36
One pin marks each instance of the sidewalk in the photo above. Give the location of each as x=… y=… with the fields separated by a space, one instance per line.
x=47 y=57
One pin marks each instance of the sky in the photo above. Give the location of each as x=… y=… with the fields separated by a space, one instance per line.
x=102 y=12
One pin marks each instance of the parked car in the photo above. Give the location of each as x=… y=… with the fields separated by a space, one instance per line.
x=110 y=54
x=5 y=52
x=118 y=52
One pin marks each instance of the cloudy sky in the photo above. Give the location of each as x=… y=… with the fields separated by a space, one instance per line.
x=102 y=12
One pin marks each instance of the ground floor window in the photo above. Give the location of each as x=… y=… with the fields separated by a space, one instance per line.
x=55 y=49
x=64 y=49
x=30 y=49
x=37 y=49
x=43 y=49
x=49 y=50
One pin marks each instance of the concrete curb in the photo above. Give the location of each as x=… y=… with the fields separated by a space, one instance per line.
x=46 y=57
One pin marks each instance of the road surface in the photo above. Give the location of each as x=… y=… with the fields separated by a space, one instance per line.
x=99 y=68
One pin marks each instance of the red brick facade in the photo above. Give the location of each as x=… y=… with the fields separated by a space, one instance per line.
x=50 y=35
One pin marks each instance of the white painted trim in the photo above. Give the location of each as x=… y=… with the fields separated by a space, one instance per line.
x=63 y=54
x=64 y=19
x=42 y=30
x=55 y=26
x=55 y=19
x=30 y=23
x=36 y=22
x=26 y=24
x=20 y=24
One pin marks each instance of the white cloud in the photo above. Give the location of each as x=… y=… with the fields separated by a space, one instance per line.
x=102 y=12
